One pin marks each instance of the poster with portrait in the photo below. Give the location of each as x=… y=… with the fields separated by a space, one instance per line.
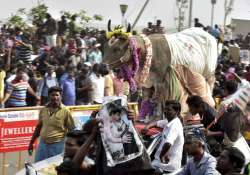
x=119 y=137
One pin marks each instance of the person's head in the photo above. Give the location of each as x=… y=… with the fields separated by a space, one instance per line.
x=230 y=160
x=230 y=87
x=194 y=145
x=96 y=69
x=216 y=26
x=20 y=73
x=51 y=69
x=71 y=73
x=158 y=22
x=18 y=30
x=103 y=69
x=85 y=71
x=55 y=96
x=74 y=140
x=195 y=104
x=63 y=17
x=172 y=109
x=150 y=24
x=196 y=20
x=48 y=16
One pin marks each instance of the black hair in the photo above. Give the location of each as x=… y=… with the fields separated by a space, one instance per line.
x=175 y=104
x=48 y=15
x=236 y=157
x=68 y=167
x=195 y=101
x=79 y=135
x=96 y=68
x=103 y=69
x=55 y=89
x=231 y=86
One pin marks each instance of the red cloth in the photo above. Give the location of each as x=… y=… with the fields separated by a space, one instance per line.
x=152 y=131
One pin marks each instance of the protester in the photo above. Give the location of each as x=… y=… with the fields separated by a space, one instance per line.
x=50 y=27
x=61 y=33
x=201 y=162
x=84 y=87
x=97 y=82
x=55 y=120
x=169 y=154
x=15 y=95
x=69 y=89
x=76 y=161
x=231 y=161
x=48 y=81
x=207 y=115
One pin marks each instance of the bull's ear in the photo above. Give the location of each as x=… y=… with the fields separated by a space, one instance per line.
x=129 y=28
x=109 y=26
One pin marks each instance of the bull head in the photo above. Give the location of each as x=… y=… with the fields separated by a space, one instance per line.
x=117 y=49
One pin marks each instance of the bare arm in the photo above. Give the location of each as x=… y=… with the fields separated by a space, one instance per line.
x=31 y=92
x=84 y=149
x=6 y=97
x=35 y=135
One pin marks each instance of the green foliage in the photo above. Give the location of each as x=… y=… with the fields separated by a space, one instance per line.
x=16 y=20
x=98 y=17
x=38 y=12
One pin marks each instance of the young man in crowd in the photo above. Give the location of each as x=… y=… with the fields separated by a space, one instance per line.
x=207 y=115
x=49 y=80
x=50 y=27
x=201 y=163
x=84 y=87
x=98 y=84
x=75 y=161
x=62 y=28
x=17 y=89
x=69 y=89
x=55 y=120
x=230 y=162
x=169 y=154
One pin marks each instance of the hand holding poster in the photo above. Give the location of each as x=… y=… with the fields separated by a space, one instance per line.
x=120 y=139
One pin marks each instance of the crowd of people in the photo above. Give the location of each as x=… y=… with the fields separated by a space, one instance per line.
x=58 y=65
x=55 y=54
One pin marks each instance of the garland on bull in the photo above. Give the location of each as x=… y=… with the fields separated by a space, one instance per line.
x=129 y=73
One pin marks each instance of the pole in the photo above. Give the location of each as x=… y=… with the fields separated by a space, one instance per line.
x=190 y=13
x=212 y=15
x=140 y=13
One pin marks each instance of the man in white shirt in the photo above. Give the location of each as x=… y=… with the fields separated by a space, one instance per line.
x=97 y=85
x=169 y=154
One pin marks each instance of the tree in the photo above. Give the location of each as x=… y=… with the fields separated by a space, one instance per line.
x=82 y=18
x=228 y=7
x=182 y=5
x=38 y=12
x=18 y=19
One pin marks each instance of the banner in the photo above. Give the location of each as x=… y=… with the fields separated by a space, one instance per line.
x=18 y=124
x=16 y=135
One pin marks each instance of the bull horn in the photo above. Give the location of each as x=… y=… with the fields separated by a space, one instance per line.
x=109 y=26
x=129 y=28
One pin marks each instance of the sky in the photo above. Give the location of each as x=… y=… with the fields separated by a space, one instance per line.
x=156 y=9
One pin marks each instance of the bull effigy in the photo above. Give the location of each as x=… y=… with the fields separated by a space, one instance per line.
x=176 y=65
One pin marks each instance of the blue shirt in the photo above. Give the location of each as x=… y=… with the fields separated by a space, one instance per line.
x=68 y=92
x=206 y=166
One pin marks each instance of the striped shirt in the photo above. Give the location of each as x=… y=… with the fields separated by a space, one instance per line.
x=18 y=90
x=25 y=53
